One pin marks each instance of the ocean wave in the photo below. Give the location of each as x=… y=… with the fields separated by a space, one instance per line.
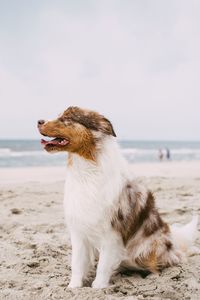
x=7 y=152
x=185 y=151
x=138 y=151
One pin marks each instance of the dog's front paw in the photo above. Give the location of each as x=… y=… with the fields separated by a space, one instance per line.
x=75 y=284
x=99 y=284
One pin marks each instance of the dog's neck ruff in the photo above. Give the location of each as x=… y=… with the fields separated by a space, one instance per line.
x=109 y=162
x=93 y=187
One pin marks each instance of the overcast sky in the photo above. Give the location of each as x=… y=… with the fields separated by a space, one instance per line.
x=136 y=61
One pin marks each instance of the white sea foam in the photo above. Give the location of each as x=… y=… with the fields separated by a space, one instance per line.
x=138 y=151
x=6 y=152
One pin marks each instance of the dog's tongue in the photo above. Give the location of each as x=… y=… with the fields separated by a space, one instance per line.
x=56 y=141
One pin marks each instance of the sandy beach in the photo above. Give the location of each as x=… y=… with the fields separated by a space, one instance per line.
x=34 y=244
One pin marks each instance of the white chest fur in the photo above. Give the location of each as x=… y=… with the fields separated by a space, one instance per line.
x=92 y=188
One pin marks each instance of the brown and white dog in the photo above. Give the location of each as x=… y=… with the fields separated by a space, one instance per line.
x=106 y=210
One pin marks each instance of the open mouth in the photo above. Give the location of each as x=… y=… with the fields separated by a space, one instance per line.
x=55 y=142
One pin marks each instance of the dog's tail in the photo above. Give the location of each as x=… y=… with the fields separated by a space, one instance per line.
x=184 y=236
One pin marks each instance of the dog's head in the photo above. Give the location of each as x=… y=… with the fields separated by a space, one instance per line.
x=76 y=130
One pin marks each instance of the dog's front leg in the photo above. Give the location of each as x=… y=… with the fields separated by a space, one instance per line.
x=80 y=259
x=111 y=254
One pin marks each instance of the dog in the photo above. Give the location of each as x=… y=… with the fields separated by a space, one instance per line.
x=107 y=211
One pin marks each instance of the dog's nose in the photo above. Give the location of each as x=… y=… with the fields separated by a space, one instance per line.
x=40 y=122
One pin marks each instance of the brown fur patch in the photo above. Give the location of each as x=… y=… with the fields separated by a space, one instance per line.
x=120 y=214
x=126 y=220
x=165 y=228
x=133 y=214
x=150 y=262
x=153 y=224
x=168 y=245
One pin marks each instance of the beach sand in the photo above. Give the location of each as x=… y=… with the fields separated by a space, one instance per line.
x=34 y=244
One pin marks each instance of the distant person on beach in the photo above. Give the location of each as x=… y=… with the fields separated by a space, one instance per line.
x=160 y=154
x=168 y=155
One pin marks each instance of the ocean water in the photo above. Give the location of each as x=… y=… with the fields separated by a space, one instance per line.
x=24 y=153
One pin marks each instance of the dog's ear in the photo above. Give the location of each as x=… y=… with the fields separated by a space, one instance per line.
x=106 y=127
x=96 y=122
x=89 y=119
